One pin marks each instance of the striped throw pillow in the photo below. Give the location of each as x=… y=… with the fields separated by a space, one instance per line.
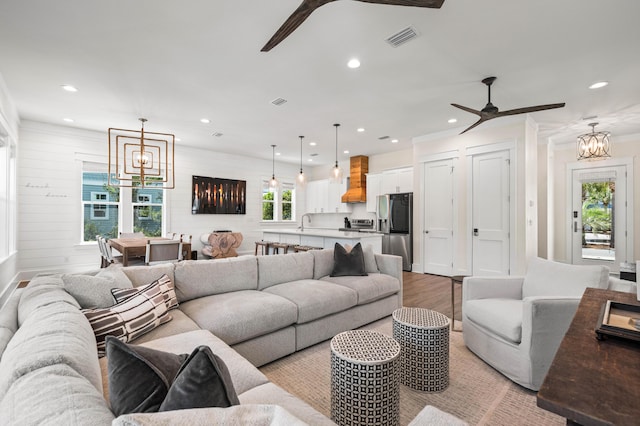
x=166 y=286
x=129 y=319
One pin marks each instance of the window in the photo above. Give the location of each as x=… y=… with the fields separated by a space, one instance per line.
x=278 y=205
x=7 y=195
x=109 y=210
x=100 y=205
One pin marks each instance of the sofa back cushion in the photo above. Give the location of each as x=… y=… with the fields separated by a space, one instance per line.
x=548 y=278
x=322 y=263
x=9 y=319
x=143 y=275
x=280 y=269
x=199 y=278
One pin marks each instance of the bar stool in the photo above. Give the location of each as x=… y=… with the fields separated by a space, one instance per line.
x=277 y=246
x=305 y=248
x=264 y=247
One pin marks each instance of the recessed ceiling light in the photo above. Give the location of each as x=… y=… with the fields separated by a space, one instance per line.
x=310 y=160
x=346 y=151
x=178 y=139
x=394 y=140
x=452 y=120
x=353 y=63
x=277 y=153
x=312 y=143
x=69 y=88
x=205 y=120
x=68 y=120
x=360 y=129
x=598 y=84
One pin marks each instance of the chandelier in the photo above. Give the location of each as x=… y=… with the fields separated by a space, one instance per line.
x=139 y=159
x=594 y=145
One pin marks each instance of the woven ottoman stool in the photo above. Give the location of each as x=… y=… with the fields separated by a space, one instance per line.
x=423 y=336
x=365 y=389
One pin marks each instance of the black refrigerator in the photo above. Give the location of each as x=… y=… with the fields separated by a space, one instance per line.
x=395 y=221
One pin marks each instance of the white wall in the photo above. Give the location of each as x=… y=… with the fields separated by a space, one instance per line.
x=622 y=147
x=49 y=182
x=517 y=130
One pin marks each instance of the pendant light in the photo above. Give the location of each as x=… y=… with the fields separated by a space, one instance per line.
x=273 y=183
x=336 y=171
x=594 y=145
x=302 y=179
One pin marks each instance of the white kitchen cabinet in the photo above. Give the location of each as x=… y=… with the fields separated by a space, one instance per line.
x=373 y=190
x=398 y=180
x=325 y=197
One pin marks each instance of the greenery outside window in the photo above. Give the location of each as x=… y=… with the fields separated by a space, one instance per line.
x=278 y=205
x=100 y=205
x=147 y=209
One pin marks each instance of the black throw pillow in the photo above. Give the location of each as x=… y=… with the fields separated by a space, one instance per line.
x=144 y=380
x=348 y=263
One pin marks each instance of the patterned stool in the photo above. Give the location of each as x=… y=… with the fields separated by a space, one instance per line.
x=423 y=336
x=365 y=389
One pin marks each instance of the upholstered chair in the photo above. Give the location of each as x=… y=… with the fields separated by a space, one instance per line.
x=515 y=324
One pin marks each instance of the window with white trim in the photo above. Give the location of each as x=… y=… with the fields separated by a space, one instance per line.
x=8 y=219
x=100 y=206
x=279 y=204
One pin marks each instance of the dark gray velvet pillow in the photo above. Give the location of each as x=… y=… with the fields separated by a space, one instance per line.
x=144 y=380
x=348 y=263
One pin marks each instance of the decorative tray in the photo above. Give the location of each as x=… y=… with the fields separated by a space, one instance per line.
x=619 y=320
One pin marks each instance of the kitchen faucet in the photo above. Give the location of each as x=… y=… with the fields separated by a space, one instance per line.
x=302 y=221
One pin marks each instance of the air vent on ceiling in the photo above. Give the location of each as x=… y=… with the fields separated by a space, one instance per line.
x=278 y=101
x=383 y=138
x=313 y=155
x=402 y=36
x=216 y=134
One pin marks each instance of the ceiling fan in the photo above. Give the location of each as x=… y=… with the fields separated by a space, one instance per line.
x=491 y=111
x=307 y=7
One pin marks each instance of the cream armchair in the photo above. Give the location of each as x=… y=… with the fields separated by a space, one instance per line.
x=515 y=324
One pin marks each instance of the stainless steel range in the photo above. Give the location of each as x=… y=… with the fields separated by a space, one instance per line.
x=360 y=225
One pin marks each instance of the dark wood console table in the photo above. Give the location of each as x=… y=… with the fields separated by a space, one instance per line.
x=594 y=382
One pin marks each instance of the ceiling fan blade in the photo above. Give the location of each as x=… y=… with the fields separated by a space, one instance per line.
x=294 y=21
x=434 y=4
x=529 y=109
x=471 y=110
x=477 y=123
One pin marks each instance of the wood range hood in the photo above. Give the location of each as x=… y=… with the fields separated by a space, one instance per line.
x=358 y=169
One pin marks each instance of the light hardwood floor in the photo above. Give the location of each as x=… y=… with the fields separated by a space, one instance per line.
x=431 y=292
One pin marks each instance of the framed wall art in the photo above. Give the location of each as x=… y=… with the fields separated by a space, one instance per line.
x=218 y=196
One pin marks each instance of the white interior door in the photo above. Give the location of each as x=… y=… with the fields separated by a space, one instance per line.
x=599 y=216
x=490 y=213
x=438 y=217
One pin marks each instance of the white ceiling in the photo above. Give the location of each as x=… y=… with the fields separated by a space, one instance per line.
x=175 y=62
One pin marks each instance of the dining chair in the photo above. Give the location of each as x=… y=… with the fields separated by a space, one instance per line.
x=106 y=252
x=132 y=235
x=103 y=255
x=163 y=251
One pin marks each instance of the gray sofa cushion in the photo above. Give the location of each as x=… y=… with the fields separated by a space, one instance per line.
x=9 y=319
x=244 y=375
x=143 y=275
x=57 y=333
x=204 y=278
x=322 y=263
x=94 y=291
x=502 y=316
x=281 y=269
x=241 y=315
x=180 y=323
x=369 y=288
x=41 y=292
x=315 y=299
x=54 y=395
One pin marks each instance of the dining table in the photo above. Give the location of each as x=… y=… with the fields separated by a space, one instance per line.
x=136 y=247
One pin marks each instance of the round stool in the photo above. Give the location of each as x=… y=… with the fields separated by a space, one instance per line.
x=364 y=379
x=423 y=336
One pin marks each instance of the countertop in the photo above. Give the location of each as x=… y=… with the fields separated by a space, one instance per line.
x=320 y=232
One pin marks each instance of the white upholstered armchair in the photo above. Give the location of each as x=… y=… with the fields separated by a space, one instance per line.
x=515 y=324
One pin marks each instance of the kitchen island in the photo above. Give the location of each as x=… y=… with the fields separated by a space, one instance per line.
x=325 y=238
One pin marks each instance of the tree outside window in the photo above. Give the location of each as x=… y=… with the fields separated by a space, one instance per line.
x=278 y=205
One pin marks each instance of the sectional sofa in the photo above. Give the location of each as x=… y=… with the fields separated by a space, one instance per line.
x=249 y=310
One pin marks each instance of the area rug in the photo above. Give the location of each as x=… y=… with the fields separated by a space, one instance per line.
x=477 y=393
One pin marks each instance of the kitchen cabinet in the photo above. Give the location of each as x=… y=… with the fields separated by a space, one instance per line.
x=398 y=180
x=373 y=190
x=324 y=197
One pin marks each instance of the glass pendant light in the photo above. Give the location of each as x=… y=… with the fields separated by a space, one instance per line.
x=273 y=183
x=336 y=171
x=302 y=179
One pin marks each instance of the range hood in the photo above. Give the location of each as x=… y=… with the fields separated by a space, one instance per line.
x=358 y=169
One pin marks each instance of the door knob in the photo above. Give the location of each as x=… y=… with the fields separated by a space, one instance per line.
x=475 y=232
